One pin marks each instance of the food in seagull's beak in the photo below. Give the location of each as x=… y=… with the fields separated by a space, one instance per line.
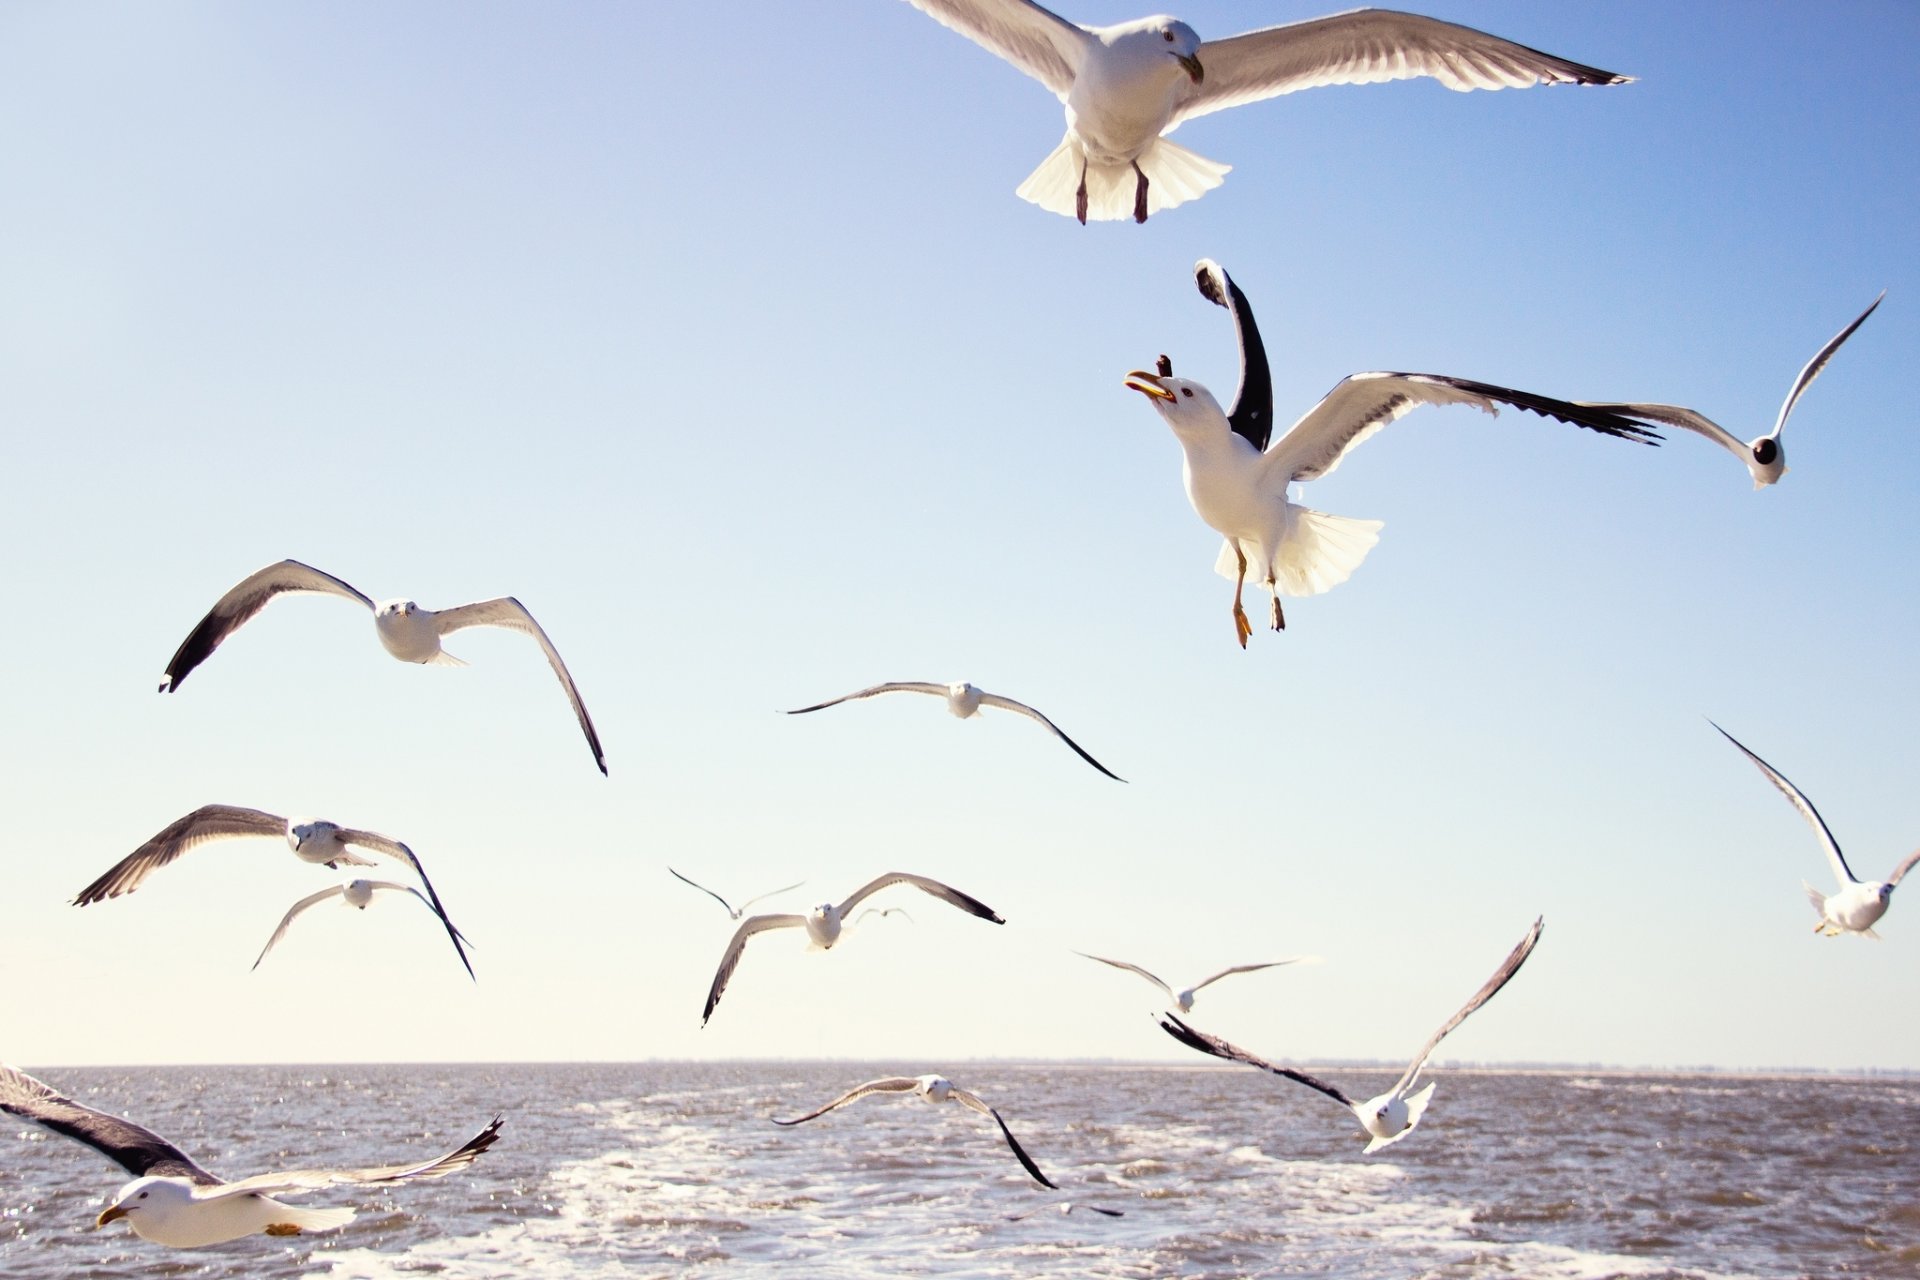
x=1147 y=385
x=1192 y=64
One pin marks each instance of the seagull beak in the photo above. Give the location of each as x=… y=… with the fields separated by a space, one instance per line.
x=108 y=1216
x=1194 y=70
x=1147 y=385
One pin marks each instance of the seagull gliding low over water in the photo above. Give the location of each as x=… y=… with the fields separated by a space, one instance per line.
x=932 y=1089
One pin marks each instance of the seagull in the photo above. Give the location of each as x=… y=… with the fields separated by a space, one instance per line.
x=1238 y=485
x=358 y=893
x=1858 y=903
x=407 y=631
x=1392 y=1115
x=174 y=1202
x=733 y=912
x=932 y=1089
x=964 y=701
x=1765 y=456
x=1126 y=86
x=1066 y=1207
x=1184 y=998
x=823 y=924
x=311 y=839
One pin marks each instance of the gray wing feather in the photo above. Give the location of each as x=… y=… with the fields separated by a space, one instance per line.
x=209 y=822
x=510 y=613
x=1508 y=967
x=1020 y=1153
x=728 y=962
x=1819 y=362
x=138 y=1150
x=946 y=893
x=1132 y=968
x=314 y=1179
x=1899 y=872
x=1205 y=1043
x=1040 y=43
x=894 y=686
x=395 y=849
x=252 y=594
x=287 y=920
x=1803 y=806
x=891 y=1084
x=1008 y=704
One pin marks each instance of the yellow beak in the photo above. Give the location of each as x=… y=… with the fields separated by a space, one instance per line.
x=110 y=1215
x=1192 y=64
x=1148 y=385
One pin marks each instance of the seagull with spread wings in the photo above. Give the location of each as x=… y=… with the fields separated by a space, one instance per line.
x=963 y=701
x=733 y=912
x=1127 y=86
x=174 y=1202
x=1237 y=481
x=1183 y=999
x=1392 y=1115
x=358 y=894
x=407 y=631
x=826 y=921
x=931 y=1089
x=1857 y=904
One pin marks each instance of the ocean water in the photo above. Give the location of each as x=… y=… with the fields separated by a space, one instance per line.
x=673 y=1169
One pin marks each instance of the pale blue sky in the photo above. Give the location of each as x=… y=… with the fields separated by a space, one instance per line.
x=719 y=338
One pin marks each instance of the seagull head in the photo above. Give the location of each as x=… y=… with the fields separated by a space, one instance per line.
x=358 y=893
x=1767 y=460
x=1187 y=406
x=143 y=1198
x=396 y=609
x=1174 y=39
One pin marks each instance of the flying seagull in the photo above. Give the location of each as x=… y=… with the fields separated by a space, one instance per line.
x=358 y=893
x=932 y=1089
x=1392 y=1115
x=1858 y=903
x=733 y=912
x=173 y=1201
x=1765 y=456
x=823 y=924
x=1184 y=998
x=1066 y=1207
x=1238 y=484
x=407 y=631
x=312 y=840
x=964 y=701
x=1128 y=85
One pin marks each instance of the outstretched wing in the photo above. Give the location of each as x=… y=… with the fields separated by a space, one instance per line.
x=1042 y=44
x=1805 y=807
x=1252 y=414
x=510 y=613
x=896 y=686
x=273 y=1184
x=249 y=597
x=1026 y=1162
x=716 y=897
x=1368 y=46
x=891 y=1084
x=1361 y=404
x=946 y=893
x=1247 y=968
x=1132 y=968
x=209 y=822
x=1508 y=967
x=395 y=849
x=1219 y=1048
x=768 y=894
x=1819 y=362
x=1008 y=704
x=140 y=1151
x=748 y=927
x=286 y=921
x=1900 y=872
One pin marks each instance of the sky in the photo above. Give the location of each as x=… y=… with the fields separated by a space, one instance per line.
x=722 y=342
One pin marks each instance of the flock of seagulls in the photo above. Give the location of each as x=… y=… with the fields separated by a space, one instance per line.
x=1124 y=87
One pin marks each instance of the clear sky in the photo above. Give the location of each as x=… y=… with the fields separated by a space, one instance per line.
x=720 y=339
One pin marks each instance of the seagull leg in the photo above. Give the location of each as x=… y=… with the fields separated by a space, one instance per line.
x=1080 y=196
x=1279 y=618
x=1241 y=627
x=1139 y=194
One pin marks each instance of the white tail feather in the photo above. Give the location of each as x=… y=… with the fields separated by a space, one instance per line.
x=444 y=659
x=1175 y=175
x=1318 y=553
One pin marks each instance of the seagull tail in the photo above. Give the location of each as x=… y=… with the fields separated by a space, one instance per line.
x=1817 y=898
x=1175 y=175
x=289 y=1215
x=1318 y=553
x=445 y=659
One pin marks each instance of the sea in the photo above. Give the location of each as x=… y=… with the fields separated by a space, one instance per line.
x=675 y=1170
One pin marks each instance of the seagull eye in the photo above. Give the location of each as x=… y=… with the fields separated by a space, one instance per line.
x=1187 y=392
x=143 y=1195
x=1168 y=35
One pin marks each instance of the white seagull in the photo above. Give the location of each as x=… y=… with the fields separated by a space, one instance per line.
x=407 y=631
x=1765 y=456
x=327 y=844
x=1128 y=85
x=964 y=701
x=1858 y=903
x=1392 y=1115
x=932 y=1089
x=1183 y=998
x=1238 y=485
x=174 y=1202
x=733 y=912
x=358 y=893
x=824 y=923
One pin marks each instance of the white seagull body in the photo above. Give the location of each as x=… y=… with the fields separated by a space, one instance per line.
x=1857 y=904
x=733 y=912
x=1238 y=483
x=1183 y=999
x=1128 y=85
x=1765 y=457
x=964 y=701
x=931 y=1089
x=358 y=894
x=174 y=1202
x=825 y=922
x=407 y=631
x=1392 y=1115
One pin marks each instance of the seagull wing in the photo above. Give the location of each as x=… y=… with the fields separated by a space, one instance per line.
x=1361 y=404
x=716 y=897
x=1819 y=362
x=209 y=822
x=768 y=894
x=966 y=1099
x=294 y=1180
x=395 y=849
x=1252 y=414
x=1042 y=44
x=249 y=597
x=748 y=927
x=1673 y=415
x=1508 y=967
x=896 y=686
x=1243 y=968
x=1900 y=871
x=1133 y=968
x=1219 y=1048
x=510 y=613
x=287 y=920
x=1008 y=704
x=891 y=1084
x=140 y=1151
x=1368 y=46
x=1805 y=806
x=946 y=893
